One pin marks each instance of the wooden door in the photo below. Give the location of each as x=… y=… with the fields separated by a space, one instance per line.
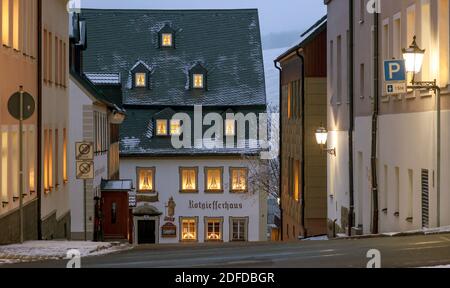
x=146 y=232
x=115 y=215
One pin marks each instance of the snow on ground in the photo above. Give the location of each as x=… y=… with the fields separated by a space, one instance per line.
x=319 y=238
x=438 y=267
x=36 y=250
x=425 y=231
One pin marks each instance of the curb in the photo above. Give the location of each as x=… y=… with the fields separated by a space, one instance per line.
x=400 y=234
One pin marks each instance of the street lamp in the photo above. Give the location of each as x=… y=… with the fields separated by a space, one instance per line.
x=413 y=57
x=322 y=138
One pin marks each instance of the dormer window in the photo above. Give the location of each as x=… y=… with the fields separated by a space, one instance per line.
x=161 y=127
x=167 y=37
x=198 y=77
x=140 y=80
x=140 y=74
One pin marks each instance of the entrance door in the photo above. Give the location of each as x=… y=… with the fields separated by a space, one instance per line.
x=146 y=232
x=115 y=215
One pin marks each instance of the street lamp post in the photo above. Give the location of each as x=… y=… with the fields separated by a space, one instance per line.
x=413 y=61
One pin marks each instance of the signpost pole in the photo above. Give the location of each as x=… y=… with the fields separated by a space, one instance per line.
x=84 y=210
x=21 y=165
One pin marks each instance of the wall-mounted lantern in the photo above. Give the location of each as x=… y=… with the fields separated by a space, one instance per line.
x=322 y=138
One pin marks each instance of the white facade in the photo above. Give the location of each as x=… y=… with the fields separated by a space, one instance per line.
x=251 y=206
x=82 y=129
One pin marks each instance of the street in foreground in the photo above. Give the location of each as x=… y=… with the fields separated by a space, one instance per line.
x=411 y=251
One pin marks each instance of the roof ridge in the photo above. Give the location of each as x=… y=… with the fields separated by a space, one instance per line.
x=122 y=10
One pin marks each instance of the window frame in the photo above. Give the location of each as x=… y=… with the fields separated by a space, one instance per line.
x=194 y=75
x=206 y=228
x=231 y=179
x=181 y=219
x=192 y=191
x=136 y=86
x=226 y=127
x=138 y=178
x=163 y=34
x=246 y=225
x=207 y=190
x=170 y=127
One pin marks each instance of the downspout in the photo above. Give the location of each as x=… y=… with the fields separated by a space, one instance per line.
x=351 y=119
x=280 y=149
x=39 y=121
x=375 y=127
x=302 y=75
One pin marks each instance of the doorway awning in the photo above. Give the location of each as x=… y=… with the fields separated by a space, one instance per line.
x=117 y=185
x=146 y=210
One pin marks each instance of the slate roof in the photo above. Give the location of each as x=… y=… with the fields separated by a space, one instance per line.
x=104 y=78
x=226 y=42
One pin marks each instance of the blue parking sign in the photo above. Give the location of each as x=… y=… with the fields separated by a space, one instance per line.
x=394 y=71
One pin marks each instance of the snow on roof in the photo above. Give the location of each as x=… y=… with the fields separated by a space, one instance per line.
x=104 y=78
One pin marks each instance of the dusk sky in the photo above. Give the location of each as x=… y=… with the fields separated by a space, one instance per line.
x=276 y=16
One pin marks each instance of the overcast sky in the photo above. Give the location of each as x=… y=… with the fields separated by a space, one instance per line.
x=276 y=16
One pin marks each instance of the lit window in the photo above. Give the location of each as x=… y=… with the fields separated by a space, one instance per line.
x=214 y=229
x=230 y=127
x=297 y=180
x=161 y=127
x=16 y=21
x=239 y=229
x=31 y=160
x=175 y=127
x=14 y=164
x=239 y=179
x=5 y=22
x=189 y=229
x=198 y=81
x=213 y=178
x=65 y=176
x=146 y=179
x=188 y=179
x=166 y=39
x=4 y=167
x=140 y=80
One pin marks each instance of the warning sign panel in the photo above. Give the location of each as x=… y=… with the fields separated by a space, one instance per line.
x=85 y=170
x=84 y=151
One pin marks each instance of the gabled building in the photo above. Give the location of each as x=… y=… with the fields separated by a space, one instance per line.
x=175 y=68
x=303 y=77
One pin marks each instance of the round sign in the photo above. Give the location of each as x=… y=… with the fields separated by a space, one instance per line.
x=27 y=107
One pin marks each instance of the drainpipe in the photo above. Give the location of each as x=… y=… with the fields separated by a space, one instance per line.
x=280 y=159
x=351 y=119
x=375 y=127
x=303 y=205
x=39 y=122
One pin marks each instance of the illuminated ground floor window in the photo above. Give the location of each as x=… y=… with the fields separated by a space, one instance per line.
x=188 y=229
x=214 y=229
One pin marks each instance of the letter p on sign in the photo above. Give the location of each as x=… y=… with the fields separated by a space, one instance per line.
x=394 y=71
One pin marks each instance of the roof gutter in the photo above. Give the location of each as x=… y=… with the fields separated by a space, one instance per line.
x=280 y=159
x=39 y=121
x=351 y=120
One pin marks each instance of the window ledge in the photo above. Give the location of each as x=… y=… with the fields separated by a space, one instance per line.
x=4 y=203
x=397 y=214
x=385 y=210
x=409 y=219
x=189 y=191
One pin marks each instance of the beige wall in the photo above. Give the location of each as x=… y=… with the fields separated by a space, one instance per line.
x=55 y=104
x=18 y=67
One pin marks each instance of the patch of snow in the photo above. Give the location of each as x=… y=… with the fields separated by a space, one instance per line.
x=319 y=238
x=55 y=249
x=438 y=267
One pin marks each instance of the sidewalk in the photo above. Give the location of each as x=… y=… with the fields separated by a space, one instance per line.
x=53 y=250
x=424 y=231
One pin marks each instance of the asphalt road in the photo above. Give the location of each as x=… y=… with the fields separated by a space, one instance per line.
x=411 y=251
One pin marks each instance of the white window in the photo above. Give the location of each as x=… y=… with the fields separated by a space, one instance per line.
x=146 y=179
x=410 y=194
x=213 y=179
x=188 y=180
x=397 y=37
x=397 y=192
x=31 y=160
x=188 y=229
x=15 y=163
x=339 y=70
x=425 y=39
x=198 y=81
x=239 y=229
x=443 y=24
x=5 y=22
x=213 y=229
x=239 y=179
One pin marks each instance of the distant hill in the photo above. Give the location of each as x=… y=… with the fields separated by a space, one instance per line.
x=272 y=75
x=280 y=40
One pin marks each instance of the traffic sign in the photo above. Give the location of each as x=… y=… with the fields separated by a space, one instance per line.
x=394 y=71
x=28 y=105
x=85 y=170
x=84 y=151
x=396 y=88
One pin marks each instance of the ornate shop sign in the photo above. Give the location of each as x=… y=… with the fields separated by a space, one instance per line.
x=169 y=230
x=214 y=205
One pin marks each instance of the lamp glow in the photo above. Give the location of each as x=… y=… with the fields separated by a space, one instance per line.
x=321 y=136
x=413 y=57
